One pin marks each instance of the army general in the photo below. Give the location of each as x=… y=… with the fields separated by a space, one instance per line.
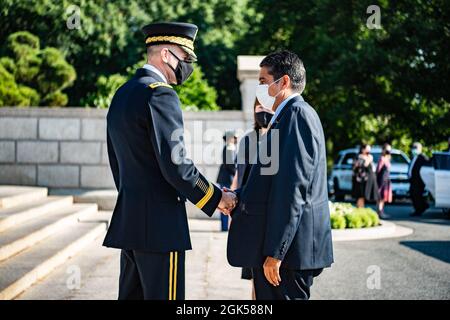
x=151 y=172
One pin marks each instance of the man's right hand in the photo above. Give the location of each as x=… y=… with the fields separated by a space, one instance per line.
x=228 y=202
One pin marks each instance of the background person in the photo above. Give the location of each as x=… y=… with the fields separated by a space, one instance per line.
x=279 y=210
x=364 y=184
x=383 y=180
x=417 y=186
x=247 y=146
x=227 y=169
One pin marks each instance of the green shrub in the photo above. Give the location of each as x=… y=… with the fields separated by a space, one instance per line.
x=31 y=76
x=337 y=221
x=106 y=88
x=345 y=215
x=366 y=219
x=55 y=99
x=12 y=94
x=354 y=220
x=375 y=218
x=196 y=94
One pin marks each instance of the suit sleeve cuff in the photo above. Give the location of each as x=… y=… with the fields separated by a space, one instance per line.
x=208 y=204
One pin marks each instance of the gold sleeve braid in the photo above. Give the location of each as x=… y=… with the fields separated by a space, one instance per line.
x=208 y=190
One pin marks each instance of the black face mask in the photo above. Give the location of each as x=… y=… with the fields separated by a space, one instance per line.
x=183 y=70
x=263 y=118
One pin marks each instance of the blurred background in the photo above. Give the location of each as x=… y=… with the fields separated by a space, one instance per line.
x=387 y=84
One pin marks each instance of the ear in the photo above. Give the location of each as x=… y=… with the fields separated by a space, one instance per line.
x=286 y=82
x=164 y=55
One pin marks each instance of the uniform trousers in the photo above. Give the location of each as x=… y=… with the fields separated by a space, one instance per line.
x=151 y=275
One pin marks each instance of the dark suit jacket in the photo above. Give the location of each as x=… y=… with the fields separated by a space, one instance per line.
x=286 y=215
x=416 y=182
x=147 y=158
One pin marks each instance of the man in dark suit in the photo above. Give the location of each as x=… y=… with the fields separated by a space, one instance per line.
x=281 y=226
x=417 y=186
x=153 y=176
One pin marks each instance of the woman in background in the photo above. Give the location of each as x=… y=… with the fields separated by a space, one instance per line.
x=383 y=179
x=248 y=146
x=364 y=181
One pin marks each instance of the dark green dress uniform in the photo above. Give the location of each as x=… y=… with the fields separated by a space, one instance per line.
x=154 y=178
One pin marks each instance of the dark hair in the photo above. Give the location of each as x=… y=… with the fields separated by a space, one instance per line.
x=256 y=126
x=286 y=63
x=386 y=149
x=362 y=147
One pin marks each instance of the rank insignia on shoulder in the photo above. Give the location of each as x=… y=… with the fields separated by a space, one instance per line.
x=159 y=84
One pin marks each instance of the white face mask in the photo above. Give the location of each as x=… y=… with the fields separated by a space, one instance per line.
x=263 y=96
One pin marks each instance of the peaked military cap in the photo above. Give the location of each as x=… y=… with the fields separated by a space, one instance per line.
x=179 y=33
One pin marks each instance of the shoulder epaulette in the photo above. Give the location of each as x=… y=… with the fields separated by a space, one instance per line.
x=159 y=84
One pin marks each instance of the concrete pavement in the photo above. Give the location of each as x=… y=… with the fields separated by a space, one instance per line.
x=412 y=267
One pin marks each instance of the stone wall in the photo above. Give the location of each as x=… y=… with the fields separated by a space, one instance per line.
x=66 y=147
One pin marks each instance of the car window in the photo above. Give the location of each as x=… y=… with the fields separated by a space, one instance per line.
x=336 y=161
x=398 y=159
x=376 y=156
x=395 y=158
x=348 y=156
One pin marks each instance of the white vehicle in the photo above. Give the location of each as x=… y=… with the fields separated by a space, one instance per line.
x=437 y=179
x=340 y=180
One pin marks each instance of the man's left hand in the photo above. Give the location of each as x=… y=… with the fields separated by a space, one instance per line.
x=272 y=271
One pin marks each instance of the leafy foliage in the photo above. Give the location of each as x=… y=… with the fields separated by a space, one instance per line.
x=33 y=76
x=344 y=215
x=376 y=85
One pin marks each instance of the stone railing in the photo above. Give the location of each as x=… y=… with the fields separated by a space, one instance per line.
x=66 y=147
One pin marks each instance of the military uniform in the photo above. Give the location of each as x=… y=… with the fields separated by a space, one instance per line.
x=153 y=178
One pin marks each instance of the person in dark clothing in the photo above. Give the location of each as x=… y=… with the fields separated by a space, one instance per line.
x=227 y=169
x=248 y=145
x=364 y=183
x=384 y=180
x=281 y=226
x=417 y=186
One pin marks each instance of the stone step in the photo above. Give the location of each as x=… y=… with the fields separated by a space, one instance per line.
x=26 y=268
x=22 y=236
x=11 y=196
x=11 y=217
x=106 y=200
x=98 y=267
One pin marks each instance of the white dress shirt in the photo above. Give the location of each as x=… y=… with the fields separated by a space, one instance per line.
x=281 y=106
x=411 y=165
x=155 y=70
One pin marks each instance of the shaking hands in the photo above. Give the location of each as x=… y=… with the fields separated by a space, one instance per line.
x=228 y=202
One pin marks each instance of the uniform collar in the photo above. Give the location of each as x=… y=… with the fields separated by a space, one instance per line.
x=153 y=69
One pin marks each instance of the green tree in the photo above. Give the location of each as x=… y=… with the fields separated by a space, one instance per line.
x=195 y=94
x=106 y=87
x=109 y=38
x=33 y=76
x=377 y=85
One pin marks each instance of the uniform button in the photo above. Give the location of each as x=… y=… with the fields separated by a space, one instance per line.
x=179 y=199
